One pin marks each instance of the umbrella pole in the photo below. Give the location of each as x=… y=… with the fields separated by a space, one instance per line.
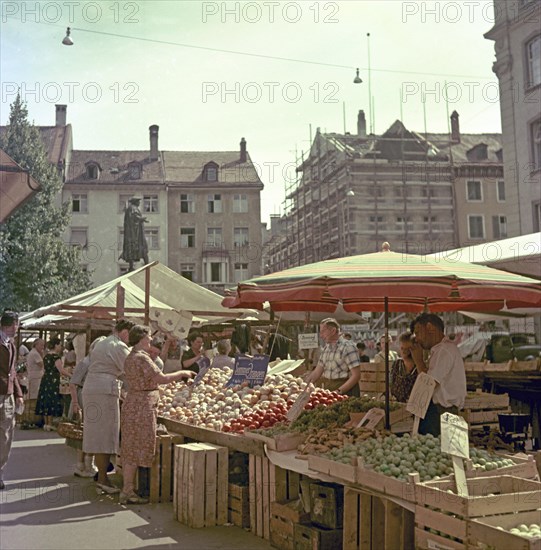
x=387 y=382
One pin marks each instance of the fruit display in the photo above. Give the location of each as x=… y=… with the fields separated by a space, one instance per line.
x=334 y=439
x=211 y=405
x=532 y=531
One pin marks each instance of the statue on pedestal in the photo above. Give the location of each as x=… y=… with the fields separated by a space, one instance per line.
x=135 y=245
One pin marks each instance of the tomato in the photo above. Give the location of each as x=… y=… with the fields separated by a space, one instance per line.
x=226 y=428
x=309 y=406
x=253 y=426
x=266 y=423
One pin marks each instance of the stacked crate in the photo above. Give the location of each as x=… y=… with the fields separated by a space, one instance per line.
x=285 y=515
x=372 y=381
x=201 y=484
x=481 y=409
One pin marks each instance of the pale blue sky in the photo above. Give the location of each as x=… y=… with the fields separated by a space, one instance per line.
x=120 y=86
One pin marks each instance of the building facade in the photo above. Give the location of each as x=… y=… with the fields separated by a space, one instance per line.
x=517 y=43
x=407 y=188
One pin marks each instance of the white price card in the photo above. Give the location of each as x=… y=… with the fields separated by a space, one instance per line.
x=421 y=395
x=298 y=406
x=454 y=435
x=371 y=419
x=309 y=341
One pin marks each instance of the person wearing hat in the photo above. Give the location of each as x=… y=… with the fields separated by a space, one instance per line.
x=135 y=245
x=11 y=395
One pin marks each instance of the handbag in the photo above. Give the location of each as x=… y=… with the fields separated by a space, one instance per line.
x=402 y=382
x=71 y=429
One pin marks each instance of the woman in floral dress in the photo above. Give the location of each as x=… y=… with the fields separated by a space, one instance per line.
x=138 y=420
x=49 y=402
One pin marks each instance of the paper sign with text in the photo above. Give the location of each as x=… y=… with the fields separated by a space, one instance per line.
x=204 y=366
x=298 y=406
x=454 y=435
x=249 y=369
x=309 y=341
x=421 y=395
x=371 y=419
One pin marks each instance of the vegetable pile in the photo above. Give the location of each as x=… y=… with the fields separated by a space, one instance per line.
x=532 y=531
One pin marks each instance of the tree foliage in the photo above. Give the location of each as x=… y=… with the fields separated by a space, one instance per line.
x=37 y=267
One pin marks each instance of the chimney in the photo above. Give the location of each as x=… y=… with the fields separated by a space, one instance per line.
x=243 y=150
x=61 y=115
x=153 y=131
x=361 y=124
x=455 y=127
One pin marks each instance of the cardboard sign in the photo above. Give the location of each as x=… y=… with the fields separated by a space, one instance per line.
x=249 y=369
x=454 y=435
x=421 y=395
x=298 y=406
x=204 y=366
x=371 y=419
x=309 y=341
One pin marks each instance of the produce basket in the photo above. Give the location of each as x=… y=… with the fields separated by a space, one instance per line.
x=70 y=430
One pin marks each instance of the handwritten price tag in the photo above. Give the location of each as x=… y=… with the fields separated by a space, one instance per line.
x=454 y=435
x=298 y=406
x=371 y=419
x=421 y=395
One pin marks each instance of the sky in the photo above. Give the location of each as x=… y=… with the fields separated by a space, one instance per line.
x=210 y=73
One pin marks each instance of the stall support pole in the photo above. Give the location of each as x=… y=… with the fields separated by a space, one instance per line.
x=387 y=396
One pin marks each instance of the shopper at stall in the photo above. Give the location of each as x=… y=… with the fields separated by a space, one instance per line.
x=380 y=355
x=49 y=402
x=338 y=367
x=445 y=365
x=361 y=350
x=222 y=360
x=34 y=370
x=170 y=354
x=101 y=394
x=139 y=410
x=403 y=371
x=196 y=351
x=11 y=394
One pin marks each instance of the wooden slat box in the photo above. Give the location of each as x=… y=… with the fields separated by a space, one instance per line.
x=284 y=516
x=312 y=537
x=201 y=484
x=338 y=470
x=386 y=485
x=497 y=367
x=372 y=378
x=484 y=532
x=327 y=505
x=238 y=505
x=268 y=483
x=280 y=442
x=375 y=523
x=523 y=366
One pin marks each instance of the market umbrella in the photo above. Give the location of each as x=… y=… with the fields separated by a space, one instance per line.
x=388 y=281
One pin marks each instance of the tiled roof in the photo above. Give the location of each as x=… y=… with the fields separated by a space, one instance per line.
x=187 y=167
x=467 y=142
x=114 y=167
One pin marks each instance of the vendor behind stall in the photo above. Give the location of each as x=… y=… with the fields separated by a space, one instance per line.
x=338 y=367
x=445 y=365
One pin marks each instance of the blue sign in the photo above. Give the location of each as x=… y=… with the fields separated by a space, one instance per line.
x=249 y=369
x=204 y=366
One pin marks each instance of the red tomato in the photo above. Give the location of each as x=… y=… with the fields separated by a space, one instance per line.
x=265 y=423
x=253 y=426
x=309 y=406
x=226 y=428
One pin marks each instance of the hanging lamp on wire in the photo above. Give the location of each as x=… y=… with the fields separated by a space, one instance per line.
x=357 y=79
x=67 y=41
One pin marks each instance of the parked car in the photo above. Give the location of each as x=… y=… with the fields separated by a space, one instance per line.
x=499 y=347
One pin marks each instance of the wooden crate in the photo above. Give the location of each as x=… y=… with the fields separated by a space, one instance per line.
x=482 y=408
x=157 y=482
x=312 y=537
x=524 y=466
x=386 y=485
x=483 y=532
x=375 y=523
x=434 y=529
x=338 y=470
x=327 y=505
x=268 y=483
x=372 y=378
x=280 y=442
x=497 y=367
x=522 y=366
x=395 y=417
x=284 y=516
x=201 y=484
x=238 y=505
x=472 y=366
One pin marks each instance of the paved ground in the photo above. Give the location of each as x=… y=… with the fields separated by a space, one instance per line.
x=45 y=507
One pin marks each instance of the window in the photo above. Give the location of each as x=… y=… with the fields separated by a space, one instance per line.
x=187 y=237
x=214 y=204
x=499 y=227
x=536 y=216
x=92 y=171
x=476 y=227
x=150 y=204
x=210 y=172
x=240 y=203
x=215 y=272
x=123 y=199
x=79 y=236
x=79 y=203
x=500 y=190
x=376 y=219
x=152 y=236
x=473 y=191
x=241 y=272
x=134 y=171
x=187 y=204
x=214 y=236
x=187 y=270
x=430 y=219
x=426 y=192
x=240 y=236
x=536 y=144
x=533 y=57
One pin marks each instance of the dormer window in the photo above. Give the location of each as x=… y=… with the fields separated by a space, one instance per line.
x=134 y=170
x=210 y=172
x=478 y=152
x=92 y=170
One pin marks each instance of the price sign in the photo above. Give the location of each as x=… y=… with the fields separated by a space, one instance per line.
x=454 y=435
x=421 y=395
x=298 y=406
x=249 y=369
x=308 y=341
x=204 y=366
x=371 y=419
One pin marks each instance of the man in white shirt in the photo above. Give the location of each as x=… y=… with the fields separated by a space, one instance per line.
x=445 y=365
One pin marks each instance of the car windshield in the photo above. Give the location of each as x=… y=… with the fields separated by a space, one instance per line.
x=523 y=339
